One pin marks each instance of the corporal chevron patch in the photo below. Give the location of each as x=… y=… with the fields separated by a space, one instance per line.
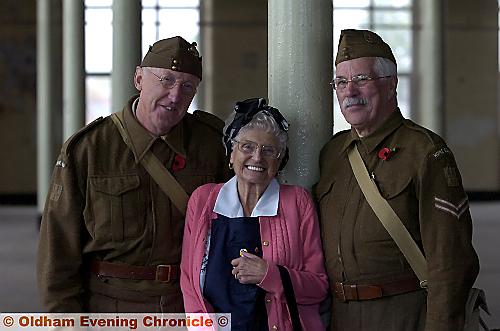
x=455 y=210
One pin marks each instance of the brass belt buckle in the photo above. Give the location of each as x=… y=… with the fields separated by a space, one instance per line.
x=160 y=272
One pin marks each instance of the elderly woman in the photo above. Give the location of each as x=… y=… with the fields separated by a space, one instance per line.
x=252 y=246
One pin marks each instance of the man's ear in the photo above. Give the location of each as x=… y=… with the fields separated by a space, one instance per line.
x=138 y=78
x=393 y=83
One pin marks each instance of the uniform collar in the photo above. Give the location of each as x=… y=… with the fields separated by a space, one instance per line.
x=176 y=139
x=373 y=140
x=142 y=140
x=228 y=202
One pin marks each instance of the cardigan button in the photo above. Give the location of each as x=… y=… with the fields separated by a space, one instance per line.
x=265 y=243
x=268 y=300
x=275 y=327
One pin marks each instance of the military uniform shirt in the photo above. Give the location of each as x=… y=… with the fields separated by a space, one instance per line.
x=103 y=205
x=421 y=182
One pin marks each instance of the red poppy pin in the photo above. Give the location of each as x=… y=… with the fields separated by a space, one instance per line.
x=179 y=163
x=386 y=153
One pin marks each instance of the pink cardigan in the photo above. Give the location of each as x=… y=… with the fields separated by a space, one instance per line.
x=293 y=242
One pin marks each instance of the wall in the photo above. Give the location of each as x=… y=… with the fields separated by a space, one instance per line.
x=234 y=37
x=471 y=90
x=17 y=97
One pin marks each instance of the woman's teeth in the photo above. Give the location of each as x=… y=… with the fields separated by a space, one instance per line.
x=254 y=168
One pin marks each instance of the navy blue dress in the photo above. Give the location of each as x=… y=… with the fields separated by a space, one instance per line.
x=245 y=302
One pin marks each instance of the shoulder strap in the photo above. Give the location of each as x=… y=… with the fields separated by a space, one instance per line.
x=158 y=172
x=388 y=217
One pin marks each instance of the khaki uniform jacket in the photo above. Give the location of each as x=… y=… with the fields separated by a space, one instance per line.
x=423 y=185
x=103 y=205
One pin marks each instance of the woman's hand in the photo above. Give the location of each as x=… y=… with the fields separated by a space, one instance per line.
x=249 y=268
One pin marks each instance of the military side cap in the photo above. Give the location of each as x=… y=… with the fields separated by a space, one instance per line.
x=354 y=44
x=175 y=54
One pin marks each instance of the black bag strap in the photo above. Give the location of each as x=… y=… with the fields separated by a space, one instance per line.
x=290 y=298
x=260 y=313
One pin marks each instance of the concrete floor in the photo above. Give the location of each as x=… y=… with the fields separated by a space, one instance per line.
x=18 y=241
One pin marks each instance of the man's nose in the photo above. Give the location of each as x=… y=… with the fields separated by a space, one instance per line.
x=174 y=93
x=351 y=88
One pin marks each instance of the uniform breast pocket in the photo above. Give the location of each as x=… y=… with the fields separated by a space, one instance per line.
x=401 y=197
x=116 y=204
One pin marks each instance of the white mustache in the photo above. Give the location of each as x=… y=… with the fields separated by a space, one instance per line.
x=353 y=101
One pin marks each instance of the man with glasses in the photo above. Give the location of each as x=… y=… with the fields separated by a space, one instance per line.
x=112 y=227
x=373 y=286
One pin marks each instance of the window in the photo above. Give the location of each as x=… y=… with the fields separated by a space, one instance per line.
x=392 y=20
x=160 y=19
x=98 y=58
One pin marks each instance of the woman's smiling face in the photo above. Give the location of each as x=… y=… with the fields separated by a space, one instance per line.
x=255 y=168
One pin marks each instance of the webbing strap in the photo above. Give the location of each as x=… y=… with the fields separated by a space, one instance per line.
x=388 y=217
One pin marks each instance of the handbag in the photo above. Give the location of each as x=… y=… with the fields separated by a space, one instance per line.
x=392 y=223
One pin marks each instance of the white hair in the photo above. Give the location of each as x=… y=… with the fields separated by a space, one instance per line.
x=384 y=67
x=265 y=122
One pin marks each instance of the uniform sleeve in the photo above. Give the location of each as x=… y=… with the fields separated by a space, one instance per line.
x=59 y=259
x=446 y=229
x=310 y=282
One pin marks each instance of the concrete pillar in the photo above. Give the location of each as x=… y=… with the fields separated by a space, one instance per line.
x=127 y=50
x=300 y=68
x=429 y=100
x=471 y=91
x=49 y=92
x=73 y=67
x=234 y=50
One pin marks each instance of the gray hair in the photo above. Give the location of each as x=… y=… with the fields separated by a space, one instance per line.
x=384 y=67
x=265 y=122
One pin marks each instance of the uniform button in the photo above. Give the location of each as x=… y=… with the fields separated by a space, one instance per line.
x=265 y=243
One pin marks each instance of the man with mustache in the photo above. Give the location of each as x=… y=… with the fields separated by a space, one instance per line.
x=373 y=286
x=111 y=232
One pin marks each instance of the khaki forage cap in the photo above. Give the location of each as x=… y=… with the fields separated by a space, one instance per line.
x=175 y=54
x=354 y=44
